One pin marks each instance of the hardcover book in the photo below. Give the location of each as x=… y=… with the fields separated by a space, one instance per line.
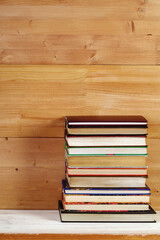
x=101 y=216
x=105 y=207
x=105 y=161
x=107 y=198
x=112 y=171
x=105 y=140
x=105 y=121
x=106 y=191
x=107 y=151
x=107 y=181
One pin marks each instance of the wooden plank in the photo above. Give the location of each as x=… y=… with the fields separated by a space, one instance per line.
x=31 y=170
x=83 y=43
x=35 y=99
x=73 y=2
x=107 y=10
x=75 y=237
x=69 y=27
x=79 y=27
x=123 y=10
x=90 y=49
x=103 y=32
x=31 y=173
x=43 y=56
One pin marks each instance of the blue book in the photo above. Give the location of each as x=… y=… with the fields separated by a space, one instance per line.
x=104 y=191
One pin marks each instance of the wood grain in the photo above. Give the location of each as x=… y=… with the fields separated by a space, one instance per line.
x=35 y=99
x=90 y=49
x=75 y=237
x=79 y=32
x=31 y=170
x=31 y=173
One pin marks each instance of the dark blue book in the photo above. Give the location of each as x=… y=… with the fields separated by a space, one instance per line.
x=104 y=191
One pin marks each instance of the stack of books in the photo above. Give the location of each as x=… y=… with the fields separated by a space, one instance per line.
x=106 y=170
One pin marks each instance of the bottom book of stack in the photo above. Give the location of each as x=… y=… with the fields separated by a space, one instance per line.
x=105 y=205
x=101 y=216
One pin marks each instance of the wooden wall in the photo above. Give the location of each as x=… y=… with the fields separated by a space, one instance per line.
x=35 y=99
x=80 y=31
x=33 y=103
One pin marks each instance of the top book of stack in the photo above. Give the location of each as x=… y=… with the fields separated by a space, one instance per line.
x=106 y=125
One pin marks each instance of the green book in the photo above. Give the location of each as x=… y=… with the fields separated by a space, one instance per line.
x=107 y=151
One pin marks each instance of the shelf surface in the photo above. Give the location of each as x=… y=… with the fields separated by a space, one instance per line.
x=42 y=221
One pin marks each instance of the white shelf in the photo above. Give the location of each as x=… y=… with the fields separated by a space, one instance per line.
x=42 y=221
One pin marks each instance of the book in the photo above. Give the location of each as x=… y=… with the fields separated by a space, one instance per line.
x=106 y=191
x=101 y=216
x=107 y=151
x=108 y=195
x=81 y=130
x=105 y=140
x=105 y=161
x=106 y=121
x=91 y=206
x=106 y=125
x=107 y=198
x=98 y=171
x=107 y=181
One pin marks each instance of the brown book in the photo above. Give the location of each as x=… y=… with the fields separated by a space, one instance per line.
x=114 y=125
x=104 y=131
x=106 y=120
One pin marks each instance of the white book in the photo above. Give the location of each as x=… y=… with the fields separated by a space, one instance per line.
x=107 y=150
x=91 y=141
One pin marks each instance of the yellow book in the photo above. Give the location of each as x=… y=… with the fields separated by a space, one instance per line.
x=106 y=161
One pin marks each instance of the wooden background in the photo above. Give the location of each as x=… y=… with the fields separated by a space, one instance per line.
x=80 y=32
x=33 y=103
x=35 y=99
